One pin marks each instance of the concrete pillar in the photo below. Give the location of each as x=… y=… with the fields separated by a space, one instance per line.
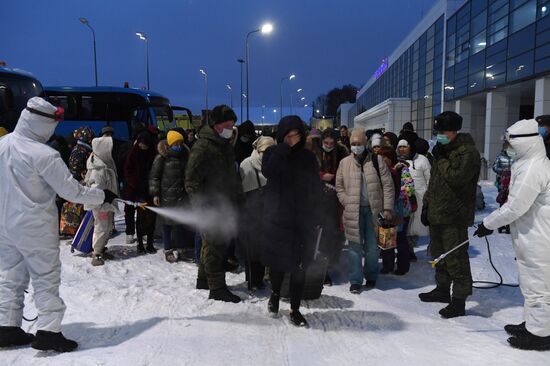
x=495 y=124
x=464 y=108
x=513 y=105
x=542 y=96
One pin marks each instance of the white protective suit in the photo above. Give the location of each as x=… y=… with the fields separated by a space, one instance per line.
x=31 y=173
x=527 y=211
x=420 y=169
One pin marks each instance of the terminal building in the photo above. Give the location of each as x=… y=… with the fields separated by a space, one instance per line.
x=488 y=60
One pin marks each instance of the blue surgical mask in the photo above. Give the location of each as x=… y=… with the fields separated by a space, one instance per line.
x=543 y=132
x=511 y=152
x=176 y=148
x=443 y=139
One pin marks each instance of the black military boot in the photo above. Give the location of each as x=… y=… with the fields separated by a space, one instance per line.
x=202 y=284
x=14 y=336
x=223 y=294
x=457 y=307
x=530 y=342
x=273 y=304
x=438 y=294
x=150 y=247
x=298 y=319
x=140 y=247
x=515 y=329
x=50 y=341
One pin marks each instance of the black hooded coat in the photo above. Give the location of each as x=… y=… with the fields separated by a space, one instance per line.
x=290 y=201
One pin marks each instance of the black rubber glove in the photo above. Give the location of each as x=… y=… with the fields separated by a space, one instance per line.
x=482 y=231
x=438 y=152
x=424 y=216
x=109 y=196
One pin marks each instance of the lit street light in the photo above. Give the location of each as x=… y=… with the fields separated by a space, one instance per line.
x=291 y=104
x=205 y=74
x=281 y=90
x=87 y=23
x=143 y=37
x=230 y=94
x=265 y=29
x=274 y=116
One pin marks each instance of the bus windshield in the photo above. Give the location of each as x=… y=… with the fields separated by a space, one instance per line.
x=15 y=91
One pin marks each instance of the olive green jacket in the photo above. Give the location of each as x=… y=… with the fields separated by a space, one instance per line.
x=451 y=194
x=212 y=174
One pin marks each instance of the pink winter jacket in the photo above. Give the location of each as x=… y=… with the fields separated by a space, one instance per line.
x=380 y=191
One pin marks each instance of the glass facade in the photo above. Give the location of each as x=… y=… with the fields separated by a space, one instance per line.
x=416 y=74
x=494 y=42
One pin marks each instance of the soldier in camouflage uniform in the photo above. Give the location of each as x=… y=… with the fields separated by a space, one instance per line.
x=449 y=209
x=212 y=179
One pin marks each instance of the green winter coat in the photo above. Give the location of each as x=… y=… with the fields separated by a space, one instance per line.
x=451 y=195
x=167 y=177
x=212 y=172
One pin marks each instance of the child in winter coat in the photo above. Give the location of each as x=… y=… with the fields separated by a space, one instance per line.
x=167 y=186
x=101 y=174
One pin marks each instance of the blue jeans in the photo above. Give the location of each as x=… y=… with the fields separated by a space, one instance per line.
x=368 y=248
x=198 y=246
x=167 y=236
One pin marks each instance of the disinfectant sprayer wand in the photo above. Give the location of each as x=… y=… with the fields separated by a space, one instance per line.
x=442 y=256
x=141 y=205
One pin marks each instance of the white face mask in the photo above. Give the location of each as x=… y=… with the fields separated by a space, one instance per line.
x=358 y=150
x=328 y=149
x=226 y=133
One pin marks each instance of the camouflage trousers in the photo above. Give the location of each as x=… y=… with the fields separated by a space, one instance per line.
x=455 y=268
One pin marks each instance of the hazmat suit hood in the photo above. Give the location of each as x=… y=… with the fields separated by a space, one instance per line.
x=36 y=127
x=528 y=146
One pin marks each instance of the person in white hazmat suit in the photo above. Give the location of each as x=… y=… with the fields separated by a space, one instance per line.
x=31 y=173
x=527 y=211
x=101 y=174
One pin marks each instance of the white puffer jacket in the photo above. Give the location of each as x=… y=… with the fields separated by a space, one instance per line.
x=420 y=169
x=101 y=171
x=527 y=211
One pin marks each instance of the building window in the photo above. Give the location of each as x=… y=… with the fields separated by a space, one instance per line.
x=523 y=16
x=520 y=66
x=479 y=23
x=479 y=42
x=521 y=41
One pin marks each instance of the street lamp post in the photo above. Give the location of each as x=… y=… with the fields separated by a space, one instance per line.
x=230 y=94
x=274 y=116
x=87 y=23
x=205 y=74
x=143 y=37
x=265 y=29
x=281 y=91
x=241 y=61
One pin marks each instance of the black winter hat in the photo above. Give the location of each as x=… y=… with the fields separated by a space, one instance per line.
x=408 y=127
x=543 y=120
x=422 y=146
x=393 y=139
x=221 y=113
x=448 y=121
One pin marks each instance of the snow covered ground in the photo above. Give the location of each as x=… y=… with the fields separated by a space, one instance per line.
x=140 y=310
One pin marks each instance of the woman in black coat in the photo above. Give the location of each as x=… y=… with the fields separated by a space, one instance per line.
x=291 y=194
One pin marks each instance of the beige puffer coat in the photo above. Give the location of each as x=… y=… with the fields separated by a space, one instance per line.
x=381 y=191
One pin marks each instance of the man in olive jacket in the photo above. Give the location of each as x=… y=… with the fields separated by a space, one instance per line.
x=211 y=180
x=449 y=208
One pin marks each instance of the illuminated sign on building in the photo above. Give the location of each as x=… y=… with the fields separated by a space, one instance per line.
x=381 y=69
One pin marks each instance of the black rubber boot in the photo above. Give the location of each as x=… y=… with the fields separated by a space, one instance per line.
x=298 y=319
x=202 y=284
x=150 y=247
x=530 y=342
x=515 y=329
x=273 y=304
x=456 y=308
x=223 y=294
x=14 y=336
x=50 y=341
x=355 y=289
x=141 y=248
x=436 y=295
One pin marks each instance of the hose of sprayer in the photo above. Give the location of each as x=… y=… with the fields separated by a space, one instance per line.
x=491 y=284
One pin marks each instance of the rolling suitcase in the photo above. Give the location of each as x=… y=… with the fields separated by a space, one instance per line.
x=315 y=275
x=83 y=239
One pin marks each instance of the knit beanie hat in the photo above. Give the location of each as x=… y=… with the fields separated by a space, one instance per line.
x=84 y=134
x=220 y=114
x=173 y=137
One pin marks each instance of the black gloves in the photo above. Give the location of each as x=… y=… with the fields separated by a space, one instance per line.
x=109 y=196
x=438 y=152
x=482 y=231
x=424 y=216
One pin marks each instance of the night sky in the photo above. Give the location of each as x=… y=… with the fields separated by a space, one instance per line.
x=326 y=43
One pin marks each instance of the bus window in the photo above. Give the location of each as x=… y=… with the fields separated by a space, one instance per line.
x=164 y=117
